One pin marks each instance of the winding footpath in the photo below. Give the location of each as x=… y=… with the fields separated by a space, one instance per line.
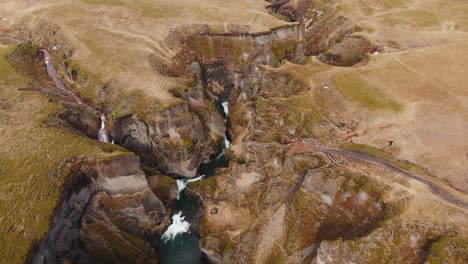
x=383 y=164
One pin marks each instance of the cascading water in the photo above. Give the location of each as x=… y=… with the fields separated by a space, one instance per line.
x=178 y=244
x=103 y=136
x=181 y=184
x=178 y=225
x=227 y=143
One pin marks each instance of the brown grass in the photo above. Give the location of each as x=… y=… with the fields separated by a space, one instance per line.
x=32 y=158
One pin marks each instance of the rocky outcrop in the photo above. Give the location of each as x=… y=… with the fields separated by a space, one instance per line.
x=174 y=140
x=116 y=228
x=347 y=52
x=235 y=46
x=293 y=10
x=81 y=117
x=108 y=212
x=269 y=206
x=326 y=34
x=406 y=242
x=280 y=205
x=294 y=201
x=180 y=138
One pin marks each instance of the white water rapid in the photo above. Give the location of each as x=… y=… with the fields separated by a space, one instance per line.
x=178 y=226
x=102 y=134
x=182 y=183
x=227 y=143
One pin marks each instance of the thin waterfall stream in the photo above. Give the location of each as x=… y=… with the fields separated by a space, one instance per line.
x=179 y=244
x=103 y=136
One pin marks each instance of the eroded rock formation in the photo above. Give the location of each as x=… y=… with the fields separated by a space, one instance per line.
x=108 y=212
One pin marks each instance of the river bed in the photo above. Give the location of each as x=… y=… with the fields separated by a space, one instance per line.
x=178 y=243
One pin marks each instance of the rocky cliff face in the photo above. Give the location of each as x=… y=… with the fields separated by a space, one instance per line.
x=174 y=140
x=108 y=212
x=179 y=138
x=281 y=205
x=278 y=206
x=275 y=204
x=218 y=60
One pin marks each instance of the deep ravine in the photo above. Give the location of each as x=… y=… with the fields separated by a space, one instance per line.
x=179 y=243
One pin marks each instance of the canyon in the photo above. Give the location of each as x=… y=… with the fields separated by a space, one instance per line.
x=267 y=137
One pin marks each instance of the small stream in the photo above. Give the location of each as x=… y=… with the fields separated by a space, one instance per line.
x=179 y=243
x=103 y=136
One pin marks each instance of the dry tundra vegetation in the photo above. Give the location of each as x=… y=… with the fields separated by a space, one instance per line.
x=33 y=159
x=412 y=91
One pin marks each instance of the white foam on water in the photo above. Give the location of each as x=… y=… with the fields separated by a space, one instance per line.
x=225 y=105
x=180 y=187
x=178 y=226
x=182 y=183
x=227 y=143
x=102 y=134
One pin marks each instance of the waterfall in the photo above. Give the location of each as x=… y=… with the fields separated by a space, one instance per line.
x=225 y=108
x=182 y=183
x=178 y=226
x=227 y=143
x=102 y=134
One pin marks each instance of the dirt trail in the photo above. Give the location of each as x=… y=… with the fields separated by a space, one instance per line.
x=383 y=164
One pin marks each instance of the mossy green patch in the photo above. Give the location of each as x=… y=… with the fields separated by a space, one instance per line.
x=297 y=113
x=448 y=250
x=143 y=106
x=276 y=257
x=8 y=75
x=280 y=50
x=25 y=59
x=227 y=247
x=89 y=84
x=207 y=186
x=301 y=222
x=116 y=246
x=187 y=143
x=6 y=69
x=366 y=94
x=33 y=158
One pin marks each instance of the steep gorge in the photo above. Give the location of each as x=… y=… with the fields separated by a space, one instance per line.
x=294 y=207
